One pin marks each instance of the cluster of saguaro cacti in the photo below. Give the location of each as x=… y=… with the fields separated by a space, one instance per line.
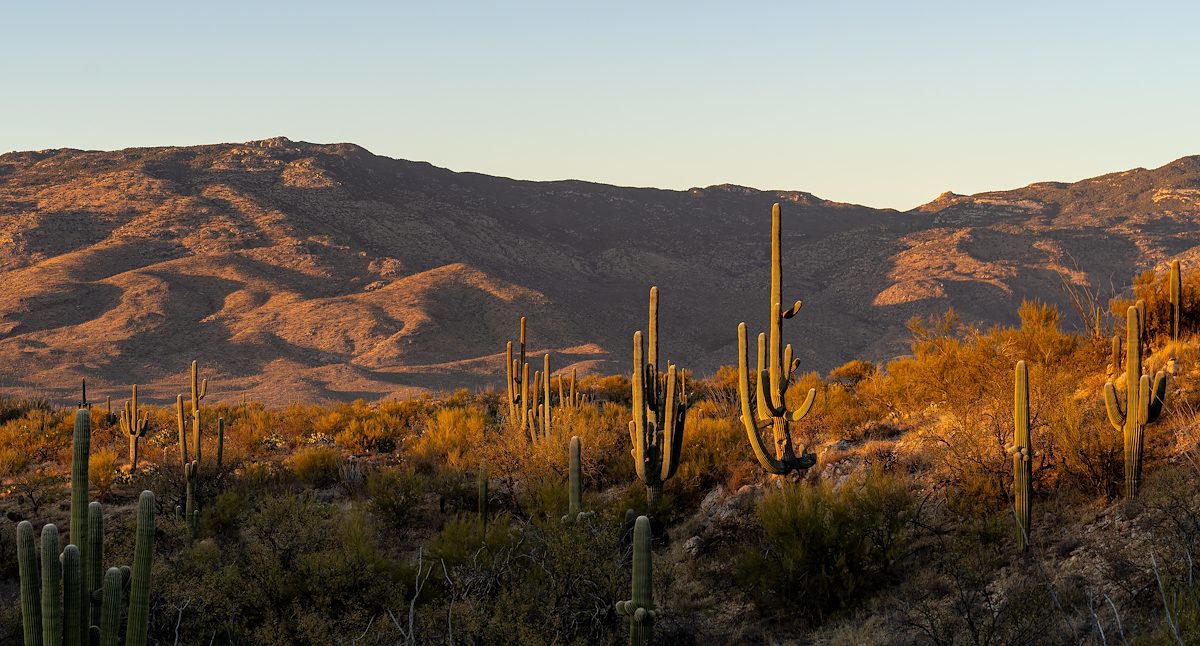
x=134 y=424
x=569 y=397
x=1022 y=452
x=776 y=369
x=190 y=462
x=523 y=406
x=67 y=601
x=529 y=403
x=1143 y=399
x=640 y=607
x=659 y=410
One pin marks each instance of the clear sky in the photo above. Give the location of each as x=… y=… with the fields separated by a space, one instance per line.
x=880 y=103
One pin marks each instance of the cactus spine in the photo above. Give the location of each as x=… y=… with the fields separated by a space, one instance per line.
x=774 y=375
x=1143 y=401
x=134 y=424
x=1022 y=452
x=27 y=568
x=659 y=410
x=640 y=607
x=1176 y=298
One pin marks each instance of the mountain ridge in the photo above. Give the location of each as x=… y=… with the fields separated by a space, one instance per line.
x=300 y=271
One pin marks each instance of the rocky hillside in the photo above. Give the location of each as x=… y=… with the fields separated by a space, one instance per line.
x=301 y=272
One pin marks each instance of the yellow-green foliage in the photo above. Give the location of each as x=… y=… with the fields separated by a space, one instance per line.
x=102 y=470
x=715 y=454
x=32 y=435
x=450 y=439
x=316 y=465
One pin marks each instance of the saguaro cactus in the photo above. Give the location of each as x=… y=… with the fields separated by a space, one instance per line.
x=640 y=608
x=52 y=615
x=659 y=410
x=574 y=483
x=220 y=442
x=1176 y=298
x=199 y=390
x=189 y=473
x=517 y=371
x=94 y=561
x=776 y=369
x=139 y=586
x=134 y=424
x=27 y=569
x=1143 y=401
x=1022 y=452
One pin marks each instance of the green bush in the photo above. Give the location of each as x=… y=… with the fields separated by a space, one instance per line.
x=822 y=547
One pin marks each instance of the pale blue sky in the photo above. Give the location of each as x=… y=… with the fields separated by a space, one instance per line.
x=885 y=104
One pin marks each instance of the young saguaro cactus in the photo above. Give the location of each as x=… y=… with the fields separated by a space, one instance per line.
x=1143 y=401
x=134 y=424
x=659 y=410
x=776 y=369
x=1022 y=452
x=640 y=607
x=574 y=483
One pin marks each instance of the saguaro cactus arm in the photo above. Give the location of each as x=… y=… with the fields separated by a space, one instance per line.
x=27 y=569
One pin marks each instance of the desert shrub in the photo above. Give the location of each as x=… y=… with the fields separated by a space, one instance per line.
x=393 y=496
x=960 y=599
x=362 y=436
x=102 y=470
x=449 y=437
x=299 y=572
x=714 y=449
x=532 y=582
x=822 y=547
x=316 y=465
x=223 y=514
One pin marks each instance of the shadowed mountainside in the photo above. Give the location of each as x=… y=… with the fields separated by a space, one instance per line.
x=303 y=272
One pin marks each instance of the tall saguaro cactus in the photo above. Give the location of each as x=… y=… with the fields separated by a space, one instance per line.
x=574 y=482
x=27 y=569
x=659 y=410
x=1143 y=401
x=640 y=607
x=1176 y=298
x=199 y=390
x=776 y=369
x=1022 y=452
x=134 y=424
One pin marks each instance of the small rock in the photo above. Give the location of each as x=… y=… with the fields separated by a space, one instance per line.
x=693 y=546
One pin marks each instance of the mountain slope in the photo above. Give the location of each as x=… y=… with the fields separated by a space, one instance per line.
x=297 y=271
